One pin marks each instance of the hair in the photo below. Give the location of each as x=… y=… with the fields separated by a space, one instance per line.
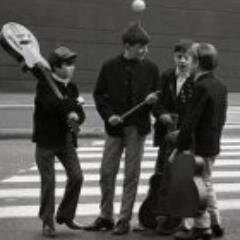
x=183 y=45
x=207 y=56
x=135 y=34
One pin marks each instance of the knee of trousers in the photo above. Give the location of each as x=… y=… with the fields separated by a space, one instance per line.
x=77 y=178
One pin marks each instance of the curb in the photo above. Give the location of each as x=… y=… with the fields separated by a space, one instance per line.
x=27 y=134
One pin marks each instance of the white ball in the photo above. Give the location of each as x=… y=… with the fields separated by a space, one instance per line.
x=138 y=5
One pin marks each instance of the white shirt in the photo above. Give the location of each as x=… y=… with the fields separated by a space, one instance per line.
x=181 y=78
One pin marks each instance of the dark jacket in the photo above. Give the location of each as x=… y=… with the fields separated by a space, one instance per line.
x=170 y=102
x=50 y=114
x=203 y=126
x=111 y=94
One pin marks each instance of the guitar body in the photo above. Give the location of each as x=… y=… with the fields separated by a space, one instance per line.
x=147 y=213
x=187 y=194
x=177 y=193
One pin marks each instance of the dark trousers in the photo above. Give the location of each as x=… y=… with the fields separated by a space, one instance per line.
x=45 y=159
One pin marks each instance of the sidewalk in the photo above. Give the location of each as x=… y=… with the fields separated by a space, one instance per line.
x=16 y=115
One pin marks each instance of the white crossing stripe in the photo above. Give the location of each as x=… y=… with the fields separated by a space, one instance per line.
x=150 y=142
x=145 y=164
x=18 y=188
x=95 y=191
x=100 y=149
x=120 y=176
x=92 y=209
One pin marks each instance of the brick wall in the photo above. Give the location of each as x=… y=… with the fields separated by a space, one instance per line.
x=93 y=28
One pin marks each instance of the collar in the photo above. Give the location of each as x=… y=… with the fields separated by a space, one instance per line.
x=200 y=74
x=64 y=81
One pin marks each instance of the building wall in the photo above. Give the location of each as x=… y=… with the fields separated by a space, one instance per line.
x=93 y=29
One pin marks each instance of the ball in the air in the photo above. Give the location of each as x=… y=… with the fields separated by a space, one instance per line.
x=138 y=5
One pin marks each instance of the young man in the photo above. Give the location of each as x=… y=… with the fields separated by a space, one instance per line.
x=123 y=82
x=174 y=100
x=201 y=132
x=55 y=124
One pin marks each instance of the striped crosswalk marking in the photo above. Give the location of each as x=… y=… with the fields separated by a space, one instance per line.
x=24 y=186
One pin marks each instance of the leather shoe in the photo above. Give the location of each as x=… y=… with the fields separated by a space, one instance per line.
x=218 y=230
x=194 y=234
x=70 y=224
x=100 y=224
x=122 y=227
x=48 y=231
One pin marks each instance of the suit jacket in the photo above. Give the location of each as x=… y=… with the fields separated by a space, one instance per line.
x=110 y=93
x=203 y=126
x=170 y=102
x=50 y=113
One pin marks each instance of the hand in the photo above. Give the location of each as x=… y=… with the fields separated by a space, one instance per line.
x=72 y=116
x=115 y=120
x=151 y=98
x=80 y=100
x=73 y=126
x=171 y=137
x=166 y=119
x=173 y=155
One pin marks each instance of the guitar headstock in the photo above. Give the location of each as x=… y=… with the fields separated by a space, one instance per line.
x=19 y=40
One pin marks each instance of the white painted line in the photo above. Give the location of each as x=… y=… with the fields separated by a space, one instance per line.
x=95 y=191
x=150 y=142
x=145 y=164
x=35 y=192
x=150 y=149
x=232 y=126
x=100 y=149
x=92 y=209
x=148 y=155
x=96 y=177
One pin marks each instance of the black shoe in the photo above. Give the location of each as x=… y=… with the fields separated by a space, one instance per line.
x=217 y=230
x=194 y=234
x=122 y=227
x=169 y=226
x=100 y=224
x=48 y=231
x=69 y=223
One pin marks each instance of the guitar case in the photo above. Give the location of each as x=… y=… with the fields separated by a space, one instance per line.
x=179 y=192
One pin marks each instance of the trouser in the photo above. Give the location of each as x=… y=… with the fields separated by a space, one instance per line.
x=133 y=143
x=212 y=213
x=45 y=161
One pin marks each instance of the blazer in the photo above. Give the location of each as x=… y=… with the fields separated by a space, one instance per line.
x=50 y=113
x=170 y=102
x=110 y=93
x=203 y=125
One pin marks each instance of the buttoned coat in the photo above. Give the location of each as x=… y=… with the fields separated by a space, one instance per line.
x=202 y=128
x=170 y=102
x=110 y=93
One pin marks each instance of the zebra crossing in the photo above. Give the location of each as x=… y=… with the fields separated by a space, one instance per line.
x=19 y=194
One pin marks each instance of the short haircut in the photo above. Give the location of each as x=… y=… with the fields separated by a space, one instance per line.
x=135 y=34
x=207 y=56
x=183 y=45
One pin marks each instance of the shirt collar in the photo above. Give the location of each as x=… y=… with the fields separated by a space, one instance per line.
x=64 y=81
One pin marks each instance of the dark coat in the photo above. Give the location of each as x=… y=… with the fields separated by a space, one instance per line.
x=50 y=114
x=110 y=93
x=203 y=126
x=169 y=102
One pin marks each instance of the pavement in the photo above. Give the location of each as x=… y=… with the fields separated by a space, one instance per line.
x=16 y=115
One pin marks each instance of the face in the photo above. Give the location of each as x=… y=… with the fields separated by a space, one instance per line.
x=183 y=60
x=66 y=71
x=137 y=51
